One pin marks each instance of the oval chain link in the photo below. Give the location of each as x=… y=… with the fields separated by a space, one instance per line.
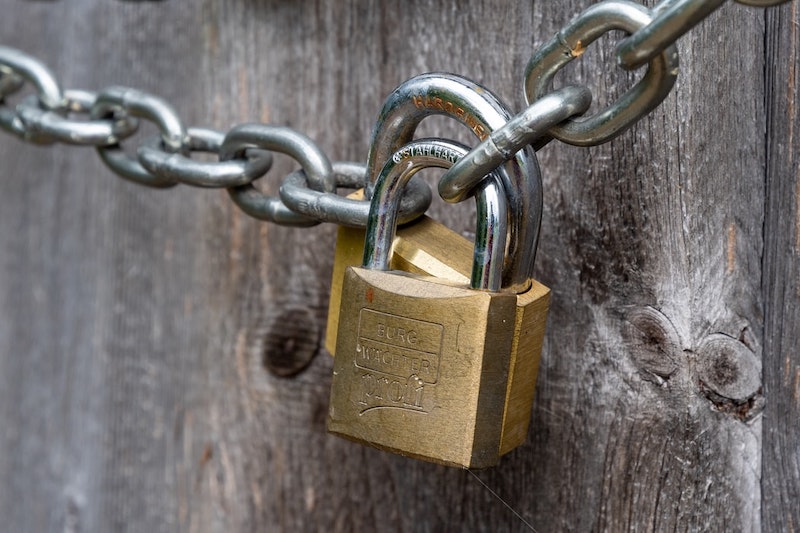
x=287 y=141
x=308 y=196
x=673 y=18
x=17 y=68
x=330 y=207
x=116 y=100
x=58 y=126
x=571 y=42
x=179 y=168
x=48 y=90
x=529 y=127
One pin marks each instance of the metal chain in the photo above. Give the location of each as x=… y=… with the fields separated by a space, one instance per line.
x=308 y=196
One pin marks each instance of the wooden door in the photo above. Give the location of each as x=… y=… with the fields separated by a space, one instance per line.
x=138 y=326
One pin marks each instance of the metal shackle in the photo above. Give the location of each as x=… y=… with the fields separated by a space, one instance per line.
x=492 y=209
x=482 y=112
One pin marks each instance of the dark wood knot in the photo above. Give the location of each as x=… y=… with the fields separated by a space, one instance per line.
x=291 y=341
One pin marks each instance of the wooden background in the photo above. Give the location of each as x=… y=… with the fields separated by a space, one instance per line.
x=137 y=326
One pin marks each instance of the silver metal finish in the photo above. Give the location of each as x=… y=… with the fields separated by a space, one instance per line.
x=502 y=144
x=34 y=71
x=571 y=42
x=330 y=207
x=673 y=19
x=492 y=210
x=146 y=106
x=10 y=122
x=180 y=168
x=315 y=163
x=268 y=208
x=56 y=126
x=477 y=108
x=9 y=82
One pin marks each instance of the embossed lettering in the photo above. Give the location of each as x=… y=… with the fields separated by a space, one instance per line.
x=398 y=346
x=436 y=102
x=383 y=391
x=397 y=334
x=439 y=152
x=394 y=361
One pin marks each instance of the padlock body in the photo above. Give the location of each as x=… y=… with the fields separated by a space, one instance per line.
x=429 y=247
x=422 y=367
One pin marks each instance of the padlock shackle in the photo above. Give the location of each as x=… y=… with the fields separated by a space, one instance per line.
x=478 y=109
x=491 y=203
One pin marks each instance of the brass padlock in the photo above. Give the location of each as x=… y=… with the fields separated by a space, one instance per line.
x=427 y=247
x=424 y=366
x=482 y=112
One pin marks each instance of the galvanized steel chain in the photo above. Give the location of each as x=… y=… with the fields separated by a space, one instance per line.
x=244 y=152
x=308 y=196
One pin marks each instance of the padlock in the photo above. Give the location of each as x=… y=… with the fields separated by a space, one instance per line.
x=427 y=247
x=424 y=366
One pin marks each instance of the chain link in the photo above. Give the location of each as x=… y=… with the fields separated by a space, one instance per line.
x=182 y=169
x=54 y=126
x=20 y=65
x=673 y=18
x=343 y=211
x=571 y=42
x=503 y=143
x=308 y=196
x=117 y=100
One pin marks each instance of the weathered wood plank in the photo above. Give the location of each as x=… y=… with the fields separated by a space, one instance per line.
x=641 y=235
x=781 y=277
x=136 y=325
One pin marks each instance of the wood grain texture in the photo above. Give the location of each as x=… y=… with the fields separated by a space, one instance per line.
x=137 y=326
x=781 y=277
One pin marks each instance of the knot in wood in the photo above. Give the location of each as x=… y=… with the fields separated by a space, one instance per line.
x=291 y=341
x=728 y=368
x=653 y=342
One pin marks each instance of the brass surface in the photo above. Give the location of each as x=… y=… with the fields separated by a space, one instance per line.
x=422 y=367
x=526 y=351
